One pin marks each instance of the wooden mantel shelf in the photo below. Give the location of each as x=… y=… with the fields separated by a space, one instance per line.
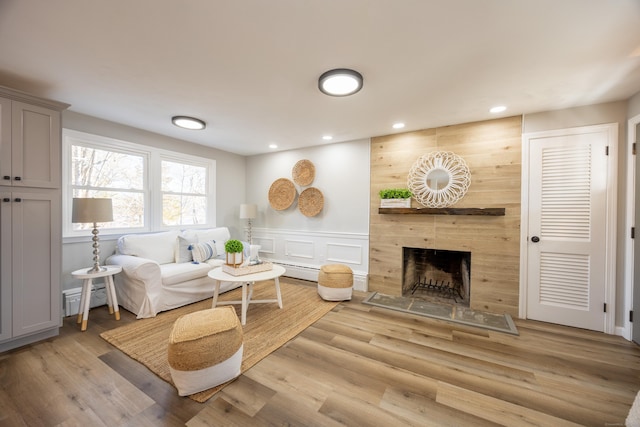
x=444 y=211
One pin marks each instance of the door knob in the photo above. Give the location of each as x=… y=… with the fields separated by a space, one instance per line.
x=535 y=239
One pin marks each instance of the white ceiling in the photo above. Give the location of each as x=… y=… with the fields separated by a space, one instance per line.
x=249 y=68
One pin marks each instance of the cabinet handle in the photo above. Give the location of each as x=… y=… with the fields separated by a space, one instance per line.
x=7 y=177
x=17 y=199
x=6 y=199
x=17 y=178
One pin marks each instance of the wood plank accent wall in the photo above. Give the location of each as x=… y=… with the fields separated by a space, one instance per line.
x=492 y=151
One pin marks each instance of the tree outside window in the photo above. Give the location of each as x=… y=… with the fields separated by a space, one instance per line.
x=184 y=189
x=110 y=174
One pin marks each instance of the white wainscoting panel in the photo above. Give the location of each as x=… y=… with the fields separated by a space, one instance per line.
x=299 y=249
x=344 y=254
x=302 y=253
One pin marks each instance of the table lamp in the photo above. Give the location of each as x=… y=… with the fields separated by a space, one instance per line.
x=87 y=210
x=248 y=212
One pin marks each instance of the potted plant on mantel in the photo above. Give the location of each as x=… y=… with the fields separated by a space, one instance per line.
x=395 y=198
x=234 y=250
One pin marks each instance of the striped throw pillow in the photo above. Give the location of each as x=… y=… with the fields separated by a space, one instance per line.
x=203 y=251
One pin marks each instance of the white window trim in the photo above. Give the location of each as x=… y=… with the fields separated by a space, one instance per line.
x=153 y=194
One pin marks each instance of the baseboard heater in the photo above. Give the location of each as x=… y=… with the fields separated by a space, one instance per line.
x=360 y=282
x=71 y=298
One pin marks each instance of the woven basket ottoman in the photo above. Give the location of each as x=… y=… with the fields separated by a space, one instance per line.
x=335 y=282
x=205 y=349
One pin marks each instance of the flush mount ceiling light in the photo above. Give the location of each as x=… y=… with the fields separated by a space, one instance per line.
x=188 y=122
x=498 y=109
x=340 y=82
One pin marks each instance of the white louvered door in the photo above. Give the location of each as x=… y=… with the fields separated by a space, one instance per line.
x=566 y=230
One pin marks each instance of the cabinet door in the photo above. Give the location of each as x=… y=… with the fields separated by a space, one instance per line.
x=5 y=265
x=35 y=269
x=35 y=155
x=5 y=142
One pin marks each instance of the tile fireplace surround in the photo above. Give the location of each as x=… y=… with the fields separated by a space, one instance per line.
x=492 y=151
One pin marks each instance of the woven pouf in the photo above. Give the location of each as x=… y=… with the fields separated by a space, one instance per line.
x=335 y=282
x=205 y=349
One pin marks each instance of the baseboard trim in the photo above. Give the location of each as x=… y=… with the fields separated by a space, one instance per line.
x=29 y=339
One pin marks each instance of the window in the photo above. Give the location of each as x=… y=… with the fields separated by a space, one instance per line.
x=151 y=189
x=184 y=198
x=110 y=174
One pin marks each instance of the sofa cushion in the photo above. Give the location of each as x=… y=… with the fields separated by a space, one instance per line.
x=175 y=273
x=219 y=234
x=215 y=262
x=159 y=247
x=203 y=251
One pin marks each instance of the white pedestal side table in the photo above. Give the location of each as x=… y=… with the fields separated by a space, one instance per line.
x=85 y=299
x=247 y=280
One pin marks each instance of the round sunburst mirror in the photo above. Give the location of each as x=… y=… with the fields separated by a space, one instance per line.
x=439 y=179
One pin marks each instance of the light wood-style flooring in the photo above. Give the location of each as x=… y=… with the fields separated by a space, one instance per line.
x=358 y=366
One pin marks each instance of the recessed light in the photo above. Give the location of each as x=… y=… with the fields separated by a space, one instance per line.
x=273 y=146
x=187 y=122
x=340 y=82
x=327 y=137
x=398 y=125
x=498 y=109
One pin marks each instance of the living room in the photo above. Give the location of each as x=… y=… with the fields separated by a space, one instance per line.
x=349 y=173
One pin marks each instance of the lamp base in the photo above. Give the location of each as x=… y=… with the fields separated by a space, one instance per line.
x=96 y=269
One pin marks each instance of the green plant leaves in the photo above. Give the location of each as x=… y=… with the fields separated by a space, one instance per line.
x=233 y=246
x=395 y=193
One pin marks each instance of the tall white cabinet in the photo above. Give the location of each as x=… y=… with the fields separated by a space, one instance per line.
x=30 y=218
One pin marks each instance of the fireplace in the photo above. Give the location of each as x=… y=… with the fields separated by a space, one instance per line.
x=437 y=275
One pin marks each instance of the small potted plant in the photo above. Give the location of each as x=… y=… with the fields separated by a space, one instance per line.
x=234 y=250
x=395 y=198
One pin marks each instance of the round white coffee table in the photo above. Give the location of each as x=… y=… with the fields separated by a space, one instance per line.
x=247 y=282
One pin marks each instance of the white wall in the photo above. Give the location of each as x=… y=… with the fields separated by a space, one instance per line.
x=230 y=193
x=612 y=112
x=339 y=233
x=342 y=174
x=634 y=106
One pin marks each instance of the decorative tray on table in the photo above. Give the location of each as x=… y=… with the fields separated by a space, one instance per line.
x=249 y=269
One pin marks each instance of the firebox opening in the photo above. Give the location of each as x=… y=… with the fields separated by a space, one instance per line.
x=437 y=275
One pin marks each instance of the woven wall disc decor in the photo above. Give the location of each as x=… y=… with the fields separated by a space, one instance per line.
x=282 y=193
x=310 y=202
x=303 y=172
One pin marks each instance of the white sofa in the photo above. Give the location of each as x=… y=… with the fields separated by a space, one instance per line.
x=159 y=273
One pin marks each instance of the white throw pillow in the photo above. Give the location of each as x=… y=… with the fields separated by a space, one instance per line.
x=203 y=251
x=183 y=249
x=159 y=247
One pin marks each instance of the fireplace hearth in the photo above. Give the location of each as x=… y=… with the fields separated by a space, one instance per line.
x=437 y=275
